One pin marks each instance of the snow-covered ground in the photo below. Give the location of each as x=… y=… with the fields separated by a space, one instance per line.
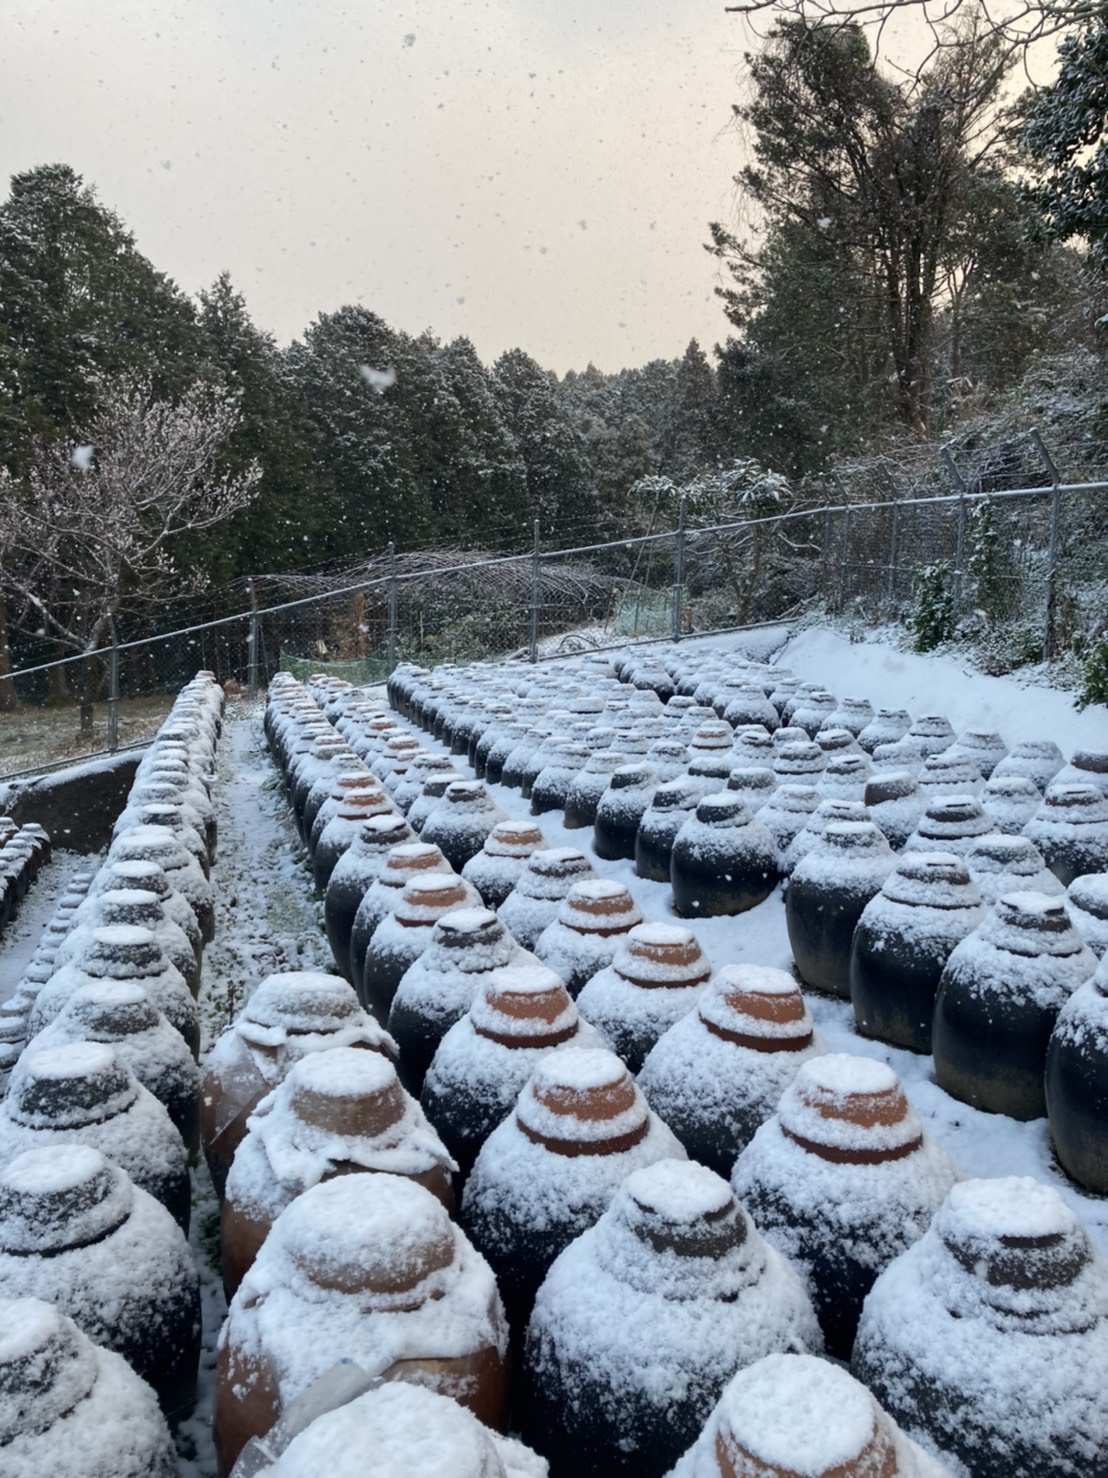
x=268 y=918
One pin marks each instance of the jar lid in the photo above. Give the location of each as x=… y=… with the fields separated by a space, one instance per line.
x=893 y=785
x=381 y=1239
x=713 y=736
x=661 y=957
x=680 y=1207
x=110 y=1010
x=1094 y=760
x=123 y=952
x=384 y=831
x=1090 y=894
x=346 y=1092
x=1078 y=804
x=583 y=1101
x=799 y=800
x=514 y=839
x=347 y=780
x=752 y=780
x=47 y=1367
x=1028 y=923
x=599 y=906
x=932 y=880
x=410 y=859
x=850 y=1111
x=628 y=777
x=425 y=898
x=471 y=930
x=932 y=726
x=302 y=1002
x=724 y=808
x=675 y=795
x=360 y=805
x=70 y=1086
x=757 y=1007
x=954 y=816
x=60 y=1197
x=524 y=1006
x=564 y=864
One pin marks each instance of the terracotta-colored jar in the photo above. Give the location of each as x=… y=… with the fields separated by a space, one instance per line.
x=496 y=869
x=592 y=920
x=65 y=1401
x=674 y=1254
x=400 y=864
x=998 y=999
x=402 y=936
x=658 y=974
x=286 y=1017
x=841 y=1180
x=718 y=1072
x=344 y=828
x=1001 y=1363
x=370 y=1267
x=338 y=1112
x=548 y=1171
x=828 y=1426
x=927 y=905
x=76 y=1231
x=829 y=888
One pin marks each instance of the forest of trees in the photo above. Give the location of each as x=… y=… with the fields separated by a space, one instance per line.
x=920 y=249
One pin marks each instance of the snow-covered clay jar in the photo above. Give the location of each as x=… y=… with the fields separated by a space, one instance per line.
x=402 y=935
x=724 y=861
x=495 y=870
x=1000 y=864
x=947 y=773
x=1077 y=1084
x=355 y=872
x=827 y=893
x=371 y=1269
x=434 y=788
x=932 y=732
x=400 y=1429
x=998 y=999
x=642 y=1320
x=670 y=807
x=84 y=1093
x=520 y=1013
x=401 y=862
x=718 y=1073
x=343 y=828
x=927 y=905
x=550 y=1169
x=841 y=1180
x=592 y=921
x=658 y=975
x=950 y=824
x=895 y=803
x=438 y=989
x=76 y=1231
x=136 y=906
x=990 y=1335
x=589 y=784
x=461 y=821
x=70 y=1406
x=886 y=727
x=1010 y=801
x=287 y=1017
x=545 y=881
x=337 y=1113
x=620 y=809
x=159 y=844
x=120 y=1013
x=826 y=813
x=1087 y=898
x=787 y=813
x=796 y=1416
x=1070 y=829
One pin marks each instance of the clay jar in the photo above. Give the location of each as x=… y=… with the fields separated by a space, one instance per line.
x=158 y=844
x=592 y=921
x=64 y=1402
x=338 y=786
x=336 y=1113
x=674 y=1254
x=886 y=727
x=401 y=863
x=724 y=860
x=998 y=1000
x=950 y=824
x=932 y=733
x=982 y=747
x=833 y=1428
x=434 y=788
x=438 y=989
x=829 y=888
x=138 y=907
x=550 y=1169
x=1076 y=1084
x=927 y=905
x=520 y=1012
x=589 y=784
x=718 y=1073
x=1087 y=900
x=755 y=783
x=351 y=878
x=827 y=813
x=1010 y=801
x=947 y=773
x=1037 y=760
x=1001 y=1362
x=121 y=1014
x=150 y=877
x=496 y=869
x=372 y=1267
x=402 y=936
x=841 y=1180
x=670 y=807
x=895 y=803
x=545 y=881
x=83 y=1092
x=1070 y=829
x=620 y=809
x=76 y=1231
x=461 y=821
x=287 y=1017
x=344 y=828
x=552 y=784
x=1002 y=864
x=658 y=974
x=787 y=812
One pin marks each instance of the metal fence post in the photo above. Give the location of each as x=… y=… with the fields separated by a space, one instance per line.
x=1055 y=534
x=536 y=596
x=113 y=690
x=844 y=552
x=960 y=545
x=252 y=643
x=679 y=573
x=390 y=637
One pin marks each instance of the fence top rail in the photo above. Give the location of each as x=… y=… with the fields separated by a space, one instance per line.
x=546 y=556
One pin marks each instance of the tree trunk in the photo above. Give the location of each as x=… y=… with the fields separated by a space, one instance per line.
x=9 y=701
x=57 y=683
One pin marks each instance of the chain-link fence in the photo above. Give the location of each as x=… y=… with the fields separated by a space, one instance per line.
x=1026 y=568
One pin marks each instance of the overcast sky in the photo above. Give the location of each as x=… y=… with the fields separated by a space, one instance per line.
x=536 y=173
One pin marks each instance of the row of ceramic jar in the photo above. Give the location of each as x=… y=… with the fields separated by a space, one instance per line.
x=605 y=1245
x=23 y=851
x=100 y=1114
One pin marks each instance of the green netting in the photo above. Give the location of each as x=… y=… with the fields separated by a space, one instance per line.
x=360 y=670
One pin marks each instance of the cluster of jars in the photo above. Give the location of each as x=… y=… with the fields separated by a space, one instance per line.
x=23 y=851
x=100 y=1042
